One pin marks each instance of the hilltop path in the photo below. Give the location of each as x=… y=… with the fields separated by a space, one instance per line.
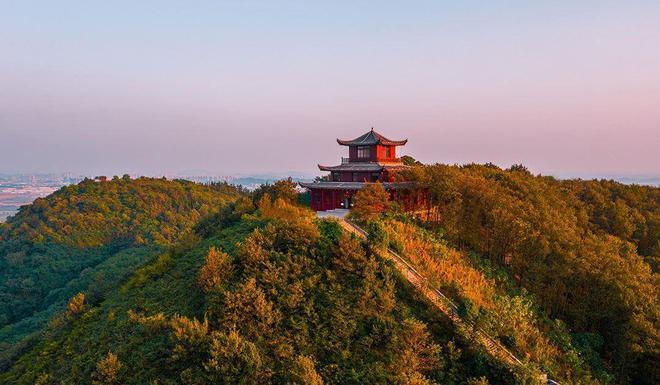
x=444 y=304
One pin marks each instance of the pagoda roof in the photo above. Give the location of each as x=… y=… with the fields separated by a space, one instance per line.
x=354 y=185
x=364 y=166
x=370 y=138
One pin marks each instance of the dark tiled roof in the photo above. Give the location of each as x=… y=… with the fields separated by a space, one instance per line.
x=353 y=185
x=371 y=138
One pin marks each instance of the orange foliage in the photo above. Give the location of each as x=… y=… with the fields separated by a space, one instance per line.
x=217 y=267
x=503 y=315
x=442 y=265
x=370 y=202
x=284 y=211
x=76 y=304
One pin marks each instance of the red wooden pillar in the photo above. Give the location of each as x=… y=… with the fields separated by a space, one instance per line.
x=334 y=199
x=322 y=208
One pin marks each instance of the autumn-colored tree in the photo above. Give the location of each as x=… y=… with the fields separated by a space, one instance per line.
x=154 y=323
x=234 y=360
x=416 y=352
x=190 y=339
x=303 y=372
x=107 y=371
x=478 y=381
x=217 y=267
x=249 y=311
x=77 y=304
x=283 y=210
x=91 y=237
x=244 y=205
x=370 y=201
x=349 y=255
x=254 y=251
x=414 y=378
x=296 y=227
x=44 y=379
x=285 y=189
x=539 y=264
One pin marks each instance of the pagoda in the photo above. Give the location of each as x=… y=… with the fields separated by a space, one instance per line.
x=371 y=158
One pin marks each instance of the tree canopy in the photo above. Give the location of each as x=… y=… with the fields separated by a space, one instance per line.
x=270 y=296
x=89 y=237
x=586 y=250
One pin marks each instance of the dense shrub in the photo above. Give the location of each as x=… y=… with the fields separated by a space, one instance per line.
x=89 y=238
x=378 y=237
x=297 y=307
x=586 y=250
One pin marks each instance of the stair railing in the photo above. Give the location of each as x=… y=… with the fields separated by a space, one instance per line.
x=448 y=301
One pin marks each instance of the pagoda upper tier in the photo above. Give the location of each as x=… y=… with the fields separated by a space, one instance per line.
x=372 y=138
x=371 y=147
x=371 y=157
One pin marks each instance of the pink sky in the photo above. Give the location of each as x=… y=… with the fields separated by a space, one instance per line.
x=566 y=89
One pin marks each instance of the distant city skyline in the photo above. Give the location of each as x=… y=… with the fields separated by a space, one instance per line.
x=570 y=89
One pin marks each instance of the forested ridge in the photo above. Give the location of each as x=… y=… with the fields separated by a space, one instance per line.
x=257 y=294
x=585 y=251
x=118 y=211
x=252 y=288
x=89 y=237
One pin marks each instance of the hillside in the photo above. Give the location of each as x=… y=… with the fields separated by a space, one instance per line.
x=560 y=273
x=266 y=296
x=586 y=252
x=87 y=237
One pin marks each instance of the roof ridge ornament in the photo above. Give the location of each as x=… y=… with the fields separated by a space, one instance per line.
x=372 y=138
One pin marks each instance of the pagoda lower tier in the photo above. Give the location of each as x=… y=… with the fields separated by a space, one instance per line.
x=339 y=195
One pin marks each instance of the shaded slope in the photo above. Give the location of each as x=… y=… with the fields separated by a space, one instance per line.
x=88 y=237
x=294 y=302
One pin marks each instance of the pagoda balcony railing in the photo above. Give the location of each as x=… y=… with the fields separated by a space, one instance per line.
x=348 y=160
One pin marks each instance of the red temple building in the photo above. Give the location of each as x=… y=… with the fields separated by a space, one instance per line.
x=371 y=158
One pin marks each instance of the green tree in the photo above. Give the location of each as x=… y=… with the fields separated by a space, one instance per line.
x=284 y=189
x=234 y=360
x=410 y=161
x=370 y=201
x=377 y=235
